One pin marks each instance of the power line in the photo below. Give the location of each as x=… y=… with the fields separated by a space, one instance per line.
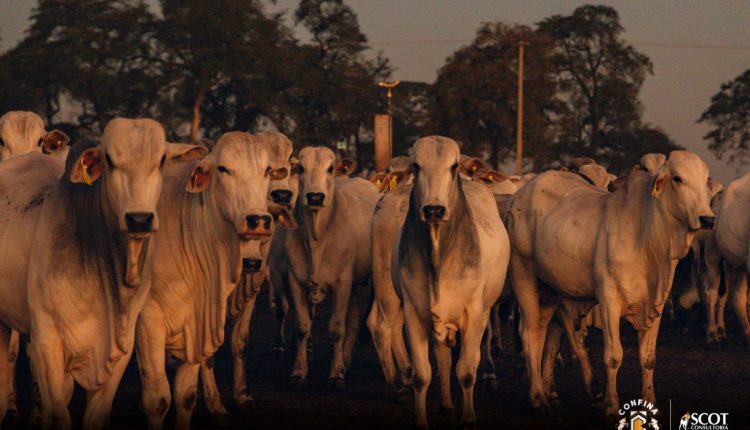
x=641 y=44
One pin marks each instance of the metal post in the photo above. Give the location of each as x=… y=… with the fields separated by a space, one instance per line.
x=519 y=124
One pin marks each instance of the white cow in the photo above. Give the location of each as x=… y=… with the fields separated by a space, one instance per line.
x=254 y=265
x=619 y=249
x=449 y=262
x=22 y=132
x=87 y=226
x=728 y=246
x=211 y=209
x=329 y=252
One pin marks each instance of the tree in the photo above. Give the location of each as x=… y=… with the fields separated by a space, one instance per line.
x=729 y=117
x=223 y=53
x=475 y=95
x=337 y=94
x=94 y=54
x=599 y=77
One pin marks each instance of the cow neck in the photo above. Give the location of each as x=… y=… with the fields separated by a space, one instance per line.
x=103 y=252
x=457 y=235
x=209 y=251
x=662 y=239
x=313 y=229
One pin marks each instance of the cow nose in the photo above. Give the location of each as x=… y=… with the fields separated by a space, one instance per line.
x=433 y=213
x=281 y=197
x=252 y=264
x=139 y=222
x=707 y=222
x=254 y=222
x=315 y=199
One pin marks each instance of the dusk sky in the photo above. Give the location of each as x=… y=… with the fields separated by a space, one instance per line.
x=694 y=45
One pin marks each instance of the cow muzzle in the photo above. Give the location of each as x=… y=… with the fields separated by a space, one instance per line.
x=315 y=200
x=139 y=222
x=432 y=214
x=281 y=197
x=257 y=226
x=252 y=265
x=707 y=222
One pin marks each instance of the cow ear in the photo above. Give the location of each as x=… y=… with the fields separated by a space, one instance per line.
x=345 y=166
x=582 y=161
x=377 y=179
x=54 y=141
x=495 y=176
x=392 y=180
x=282 y=216
x=651 y=162
x=714 y=187
x=293 y=165
x=278 y=174
x=200 y=177
x=472 y=167
x=658 y=182
x=88 y=167
x=180 y=152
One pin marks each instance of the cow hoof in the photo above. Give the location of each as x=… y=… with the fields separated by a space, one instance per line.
x=496 y=351
x=402 y=396
x=337 y=384
x=447 y=412
x=248 y=406
x=713 y=345
x=296 y=381
x=224 y=421
x=488 y=383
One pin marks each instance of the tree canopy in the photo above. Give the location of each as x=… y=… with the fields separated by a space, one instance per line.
x=729 y=118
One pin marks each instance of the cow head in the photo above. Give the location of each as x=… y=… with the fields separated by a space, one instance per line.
x=681 y=182
x=435 y=163
x=595 y=172
x=22 y=132
x=237 y=172
x=282 y=187
x=128 y=165
x=317 y=168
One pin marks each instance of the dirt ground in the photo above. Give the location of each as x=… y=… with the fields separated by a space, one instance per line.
x=687 y=375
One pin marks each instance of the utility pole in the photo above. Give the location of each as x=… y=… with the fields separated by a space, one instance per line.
x=384 y=130
x=519 y=124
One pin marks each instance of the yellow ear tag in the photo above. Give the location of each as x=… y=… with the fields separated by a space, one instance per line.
x=194 y=179
x=85 y=173
x=393 y=183
x=378 y=183
x=654 y=190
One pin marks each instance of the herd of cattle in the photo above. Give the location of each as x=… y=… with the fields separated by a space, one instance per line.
x=133 y=243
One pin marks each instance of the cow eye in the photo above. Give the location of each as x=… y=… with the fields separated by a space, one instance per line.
x=40 y=142
x=677 y=179
x=2 y=142
x=454 y=167
x=163 y=160
x=415 y=168
x=330 y=170
x=222 y=169
x=300 y=169
x=268 y=172
x=109 y=162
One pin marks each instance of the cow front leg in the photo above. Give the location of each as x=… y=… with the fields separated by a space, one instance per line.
x=49 y=367
x=468 y=362
x=488 y=379
x=612 y=350
x=155 y=395
x=713 y=281
x=304 y=325
x=336 y=331
x=419 y=346
x=739 y=301
x=444 y=362
x=5 y=371
x=211 y=393
x=99 y=402
x=185 y=393
x=647 y=355
x=240 y=338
